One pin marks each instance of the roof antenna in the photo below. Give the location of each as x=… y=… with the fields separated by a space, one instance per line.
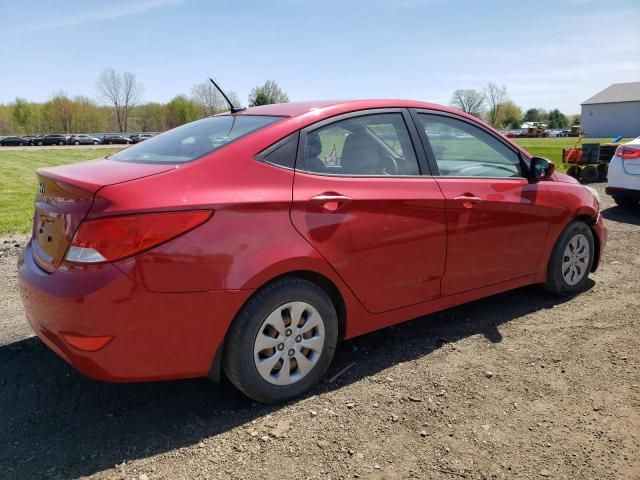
x=233 y=109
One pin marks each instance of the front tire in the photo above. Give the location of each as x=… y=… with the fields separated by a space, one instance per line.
x=571 y=260
x=282 y=341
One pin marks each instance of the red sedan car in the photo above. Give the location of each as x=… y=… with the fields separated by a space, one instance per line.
x=251 y=243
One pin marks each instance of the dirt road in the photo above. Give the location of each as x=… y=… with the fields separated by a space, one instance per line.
x=520 y=385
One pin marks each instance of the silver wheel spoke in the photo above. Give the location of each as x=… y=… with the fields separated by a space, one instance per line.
x=297 y=309
x=312 y=322
x=304 y=364
x=284 y=375
x=265 y=366
x=313 y=343
x=265 y=342
x=276 y=321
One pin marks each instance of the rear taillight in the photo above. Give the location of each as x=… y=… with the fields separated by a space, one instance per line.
x=627 y=153
x=113 y=238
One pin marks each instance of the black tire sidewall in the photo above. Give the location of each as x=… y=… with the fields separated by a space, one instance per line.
x=238 y=361
x=555 y=281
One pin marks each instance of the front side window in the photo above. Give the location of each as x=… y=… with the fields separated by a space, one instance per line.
x=194 y=140
x=464 y=150
x=369 y=145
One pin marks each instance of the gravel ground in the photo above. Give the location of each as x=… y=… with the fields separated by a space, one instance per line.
x=519 y=385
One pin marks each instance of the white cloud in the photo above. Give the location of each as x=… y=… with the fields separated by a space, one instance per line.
x=108 y=11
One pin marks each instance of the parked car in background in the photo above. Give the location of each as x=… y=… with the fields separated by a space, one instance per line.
x=14 y=141
x=115 y=139
x=516 y=133
x=140 y=137
x=52 y=139
x=623 y=182
x=285 y=229
x=81 y=139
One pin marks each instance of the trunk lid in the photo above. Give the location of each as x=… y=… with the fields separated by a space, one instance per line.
x=65 y=195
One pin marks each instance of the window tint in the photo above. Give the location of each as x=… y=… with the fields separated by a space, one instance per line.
x=377 y=144
x=283 y=153
x=464 y=150
x=193 y=140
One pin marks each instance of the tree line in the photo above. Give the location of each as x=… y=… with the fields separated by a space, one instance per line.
x=121 y=108
x=493 y=105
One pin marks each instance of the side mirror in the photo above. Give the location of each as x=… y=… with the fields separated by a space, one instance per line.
x=540 y=168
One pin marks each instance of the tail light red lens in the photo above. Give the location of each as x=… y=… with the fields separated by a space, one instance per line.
x=114 y=238
x=627 y=153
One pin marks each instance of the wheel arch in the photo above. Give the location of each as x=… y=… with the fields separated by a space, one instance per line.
x=320 y=280
x=589 y=220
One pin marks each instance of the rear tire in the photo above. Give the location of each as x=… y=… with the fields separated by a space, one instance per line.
x=571 y=260
x=265 y=354
x=625 y=202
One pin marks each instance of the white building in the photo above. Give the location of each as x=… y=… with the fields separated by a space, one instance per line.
x=612 y=112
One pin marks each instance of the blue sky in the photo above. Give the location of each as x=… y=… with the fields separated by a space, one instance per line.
x=547 y=53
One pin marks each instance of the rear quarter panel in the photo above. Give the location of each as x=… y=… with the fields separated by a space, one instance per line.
x=249 y=240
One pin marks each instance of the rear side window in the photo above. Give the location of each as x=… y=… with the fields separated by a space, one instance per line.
x=367 y=145
x=282 y=153
x=194 y=140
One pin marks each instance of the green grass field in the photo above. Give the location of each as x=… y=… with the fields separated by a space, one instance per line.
x=551 y=148
x=18 y=180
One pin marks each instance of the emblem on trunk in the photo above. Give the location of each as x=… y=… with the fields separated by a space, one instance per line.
x=41 y=188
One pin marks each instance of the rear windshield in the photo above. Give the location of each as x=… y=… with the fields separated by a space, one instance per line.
x=194 y=140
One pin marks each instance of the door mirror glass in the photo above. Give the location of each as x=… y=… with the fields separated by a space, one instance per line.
x=541 y=168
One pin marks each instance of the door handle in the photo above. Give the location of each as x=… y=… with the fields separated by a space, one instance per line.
x=330 y=201
x=468 y=200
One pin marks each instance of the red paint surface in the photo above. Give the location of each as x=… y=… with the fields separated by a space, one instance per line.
x=398 y=248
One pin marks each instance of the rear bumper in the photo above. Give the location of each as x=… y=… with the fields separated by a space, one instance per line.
x=156 y=336
x=620 y=192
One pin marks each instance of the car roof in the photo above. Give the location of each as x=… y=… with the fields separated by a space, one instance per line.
x=294 y=109
x=303 y=114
